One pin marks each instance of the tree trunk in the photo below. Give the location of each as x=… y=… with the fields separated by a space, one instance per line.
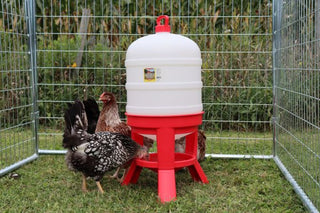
x=83 y=35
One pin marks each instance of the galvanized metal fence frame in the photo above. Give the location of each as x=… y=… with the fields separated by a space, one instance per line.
x=234 y=127
x=296 y=89
x=18 y=136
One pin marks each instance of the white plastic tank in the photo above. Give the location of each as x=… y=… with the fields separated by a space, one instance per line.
x=163 y=74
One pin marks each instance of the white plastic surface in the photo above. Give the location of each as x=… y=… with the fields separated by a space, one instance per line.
x=163 y=75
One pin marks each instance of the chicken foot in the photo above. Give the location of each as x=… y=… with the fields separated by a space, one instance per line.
x=116 y=174
x=84 y=185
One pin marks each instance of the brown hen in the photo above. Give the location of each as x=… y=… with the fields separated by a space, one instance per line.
x=109 y=120
x=180 y=145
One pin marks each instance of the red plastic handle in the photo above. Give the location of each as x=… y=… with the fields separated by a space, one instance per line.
x=166 y=20
x=165 y=27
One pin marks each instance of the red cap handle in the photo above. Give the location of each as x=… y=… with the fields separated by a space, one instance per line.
x=165 y=27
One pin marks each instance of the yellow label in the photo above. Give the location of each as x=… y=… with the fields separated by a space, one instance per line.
x=149 y=74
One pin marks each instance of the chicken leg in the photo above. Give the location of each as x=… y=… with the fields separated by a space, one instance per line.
x=99 y=187
x=84 y=183
x=116 y=174
x=126 y=170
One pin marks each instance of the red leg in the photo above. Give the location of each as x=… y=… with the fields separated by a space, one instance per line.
x=195 y=170
x=133 y=174
x=137 y=137
x=166 y=185
x=134 y=171
x=197 y=173
x=166 y=173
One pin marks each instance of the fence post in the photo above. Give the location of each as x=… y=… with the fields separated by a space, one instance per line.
x=31 y=28
x=276 y=44
x=275 y=14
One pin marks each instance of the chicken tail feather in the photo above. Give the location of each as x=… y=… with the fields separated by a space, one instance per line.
x=75 y=125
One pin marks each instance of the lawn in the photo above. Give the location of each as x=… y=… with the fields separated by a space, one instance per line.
x=250 y=185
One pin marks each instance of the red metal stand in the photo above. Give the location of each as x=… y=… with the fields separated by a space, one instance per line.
x=166 y=161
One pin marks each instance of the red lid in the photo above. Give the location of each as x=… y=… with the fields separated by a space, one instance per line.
x=165 y=27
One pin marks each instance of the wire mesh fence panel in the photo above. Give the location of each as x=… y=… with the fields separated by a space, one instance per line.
x=237 y=76
x=82 y=47
x=17 y=136
x=297 y=95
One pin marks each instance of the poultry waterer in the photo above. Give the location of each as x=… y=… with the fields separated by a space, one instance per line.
x=164 y=103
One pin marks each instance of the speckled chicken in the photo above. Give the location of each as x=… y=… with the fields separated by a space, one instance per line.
x=180 y=145
x=109 y=120
x=95 y=154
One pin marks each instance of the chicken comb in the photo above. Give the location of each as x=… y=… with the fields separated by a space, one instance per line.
x=102 y=94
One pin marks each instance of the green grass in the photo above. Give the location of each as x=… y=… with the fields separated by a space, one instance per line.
x=46 y=185
x=245 y=143
x=16 y=144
